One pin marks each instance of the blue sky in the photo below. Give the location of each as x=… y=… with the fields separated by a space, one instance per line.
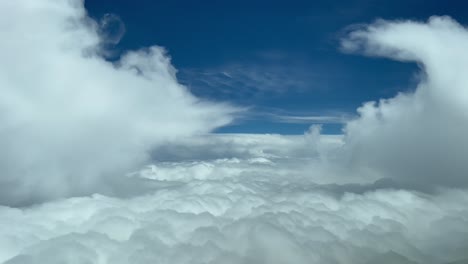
x=279 y=58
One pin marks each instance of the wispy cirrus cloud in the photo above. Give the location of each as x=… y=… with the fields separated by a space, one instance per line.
x=245 y=80
x=311 y=119
x=276 y=115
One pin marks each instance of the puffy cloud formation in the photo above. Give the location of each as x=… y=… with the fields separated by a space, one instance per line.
x=230 y=211
x=417 y=138
x=253 y=199
x=72 y=122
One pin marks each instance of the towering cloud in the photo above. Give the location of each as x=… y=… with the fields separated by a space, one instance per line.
x=72 y=122
x=417 y=138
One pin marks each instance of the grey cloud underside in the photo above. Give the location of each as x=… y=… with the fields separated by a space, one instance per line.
x=75 y=131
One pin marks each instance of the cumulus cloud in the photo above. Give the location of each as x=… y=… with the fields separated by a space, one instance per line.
x=248 y=200
x=240 y=221
x=72 y=122
x=418 y=138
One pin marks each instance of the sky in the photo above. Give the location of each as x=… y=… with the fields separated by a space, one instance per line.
x=184 y=133
x=280 y=59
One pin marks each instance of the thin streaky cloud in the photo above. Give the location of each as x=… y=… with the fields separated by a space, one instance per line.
x=251 y=79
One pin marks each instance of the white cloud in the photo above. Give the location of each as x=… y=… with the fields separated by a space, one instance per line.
x=72 y=123
x=70 y=120
x=311 y=119
x=417 y=138
x=240 y=221
x=242 y=199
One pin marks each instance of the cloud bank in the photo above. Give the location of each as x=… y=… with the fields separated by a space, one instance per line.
x=240 y=221
x=74 y=124
x=254 y=199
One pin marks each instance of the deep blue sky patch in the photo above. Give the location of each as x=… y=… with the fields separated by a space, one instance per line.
x=279 y=58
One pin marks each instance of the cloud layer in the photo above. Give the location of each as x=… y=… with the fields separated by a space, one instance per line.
x=74 y=124
x=251 y=208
